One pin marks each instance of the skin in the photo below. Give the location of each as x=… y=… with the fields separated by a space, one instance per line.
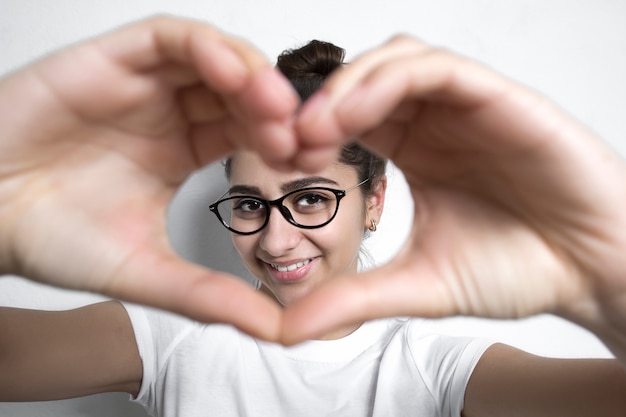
x=498 y=175
x=447 y=122
x=66 y=354
x=332 y=249
x=491 y=166
x=67 y=135
x=54 y=355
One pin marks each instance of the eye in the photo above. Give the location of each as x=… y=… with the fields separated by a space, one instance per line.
x=249 y=208
x=248 y=205
x=311 y=201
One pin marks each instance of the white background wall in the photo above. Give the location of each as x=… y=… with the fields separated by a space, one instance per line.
x=573 y=51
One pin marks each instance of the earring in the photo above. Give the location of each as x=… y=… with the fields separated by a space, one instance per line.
x=372 y=227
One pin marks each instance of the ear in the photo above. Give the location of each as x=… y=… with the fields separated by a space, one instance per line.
x=375 y=202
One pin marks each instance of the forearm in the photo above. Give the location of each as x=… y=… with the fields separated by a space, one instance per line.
x=509 y=382
x=47 y=355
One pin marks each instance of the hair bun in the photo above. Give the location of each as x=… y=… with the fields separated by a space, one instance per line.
x=315 y=59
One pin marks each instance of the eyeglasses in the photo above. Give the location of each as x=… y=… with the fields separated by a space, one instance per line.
x=307 y=208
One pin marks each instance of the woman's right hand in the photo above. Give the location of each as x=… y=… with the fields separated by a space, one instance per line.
x=95 y=141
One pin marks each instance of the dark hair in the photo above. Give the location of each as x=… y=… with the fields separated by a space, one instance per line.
x=307 y=68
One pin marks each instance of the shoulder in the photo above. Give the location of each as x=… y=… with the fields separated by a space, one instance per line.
x=434 y=357
x=427 y=343
x=175 y=351
x=166 y=329
x=442 y=363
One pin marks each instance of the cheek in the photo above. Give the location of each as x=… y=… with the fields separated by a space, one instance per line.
x=352 y=219
x=345 y=234
x=245 y=246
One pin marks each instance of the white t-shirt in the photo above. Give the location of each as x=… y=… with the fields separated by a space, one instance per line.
x=390 y=367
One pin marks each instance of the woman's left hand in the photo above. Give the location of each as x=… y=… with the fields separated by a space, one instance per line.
x=518 y=209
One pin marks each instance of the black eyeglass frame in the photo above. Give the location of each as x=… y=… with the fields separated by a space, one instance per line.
x=284 y=211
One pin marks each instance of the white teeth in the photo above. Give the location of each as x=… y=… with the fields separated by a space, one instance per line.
x=291 y=267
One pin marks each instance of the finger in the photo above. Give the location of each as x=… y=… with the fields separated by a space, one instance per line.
x=169 y=283
x=341 y=84
x=392 y=290
x=423 y=74
x=317 y=112
x=217 y=139
x=436 y=77
x=226 y=64
x=263 y=109
x=316 y=158
x=200 y=105
x=250 y=84
x=165 y=51
x=258 y=119
x=223 y=60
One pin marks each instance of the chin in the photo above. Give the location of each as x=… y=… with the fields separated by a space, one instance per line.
x=286 y=298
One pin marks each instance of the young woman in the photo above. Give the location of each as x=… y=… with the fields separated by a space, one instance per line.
x=294 y=231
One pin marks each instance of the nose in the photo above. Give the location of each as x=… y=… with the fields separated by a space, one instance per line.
x=279 y=237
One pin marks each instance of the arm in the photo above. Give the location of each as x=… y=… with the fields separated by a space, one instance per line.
x=509 y=382
x=48 y=355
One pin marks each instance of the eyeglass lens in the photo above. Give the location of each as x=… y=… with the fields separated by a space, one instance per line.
x=310 y=207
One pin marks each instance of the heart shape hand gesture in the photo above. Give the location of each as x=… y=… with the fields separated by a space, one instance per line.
x=517 y=207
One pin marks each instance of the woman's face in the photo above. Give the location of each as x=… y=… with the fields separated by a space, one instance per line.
x=291 y=261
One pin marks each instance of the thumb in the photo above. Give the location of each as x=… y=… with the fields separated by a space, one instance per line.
x=170 y=283
x=403 y=287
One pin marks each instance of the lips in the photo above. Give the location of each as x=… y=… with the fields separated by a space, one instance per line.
x=290 y=271
x=289 y=268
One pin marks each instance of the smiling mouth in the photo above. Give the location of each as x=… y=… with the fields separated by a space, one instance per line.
x=289 y=268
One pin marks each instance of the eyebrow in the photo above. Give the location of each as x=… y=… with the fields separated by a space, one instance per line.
x=285 y=188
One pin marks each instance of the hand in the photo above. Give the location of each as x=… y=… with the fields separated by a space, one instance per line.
x=95 y=142
x=518 y=209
